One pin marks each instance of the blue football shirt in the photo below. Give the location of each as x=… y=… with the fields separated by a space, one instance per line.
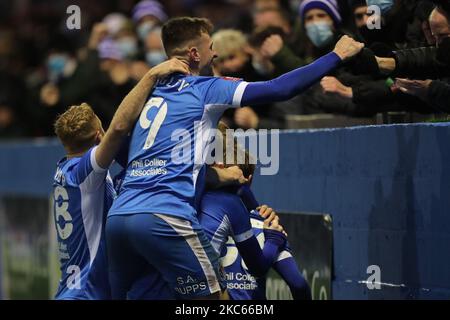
x=82 y=194
x=169 y=144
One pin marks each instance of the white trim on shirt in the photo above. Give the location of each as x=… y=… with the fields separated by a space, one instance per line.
x=243 y=236
x=94 y=163
x=239 y=92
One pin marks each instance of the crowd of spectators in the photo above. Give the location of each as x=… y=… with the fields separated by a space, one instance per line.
x=45 y=67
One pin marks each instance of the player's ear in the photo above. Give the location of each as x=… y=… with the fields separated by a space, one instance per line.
x=194 y=54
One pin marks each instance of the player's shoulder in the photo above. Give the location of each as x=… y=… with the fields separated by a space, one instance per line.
x=76 y=169
x=223 y=196
x=64 y=170
x=209 y=80
x=227 y=202
x=205 y=82
x=180 y=83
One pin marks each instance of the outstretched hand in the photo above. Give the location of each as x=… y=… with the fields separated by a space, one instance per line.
x=418 y=88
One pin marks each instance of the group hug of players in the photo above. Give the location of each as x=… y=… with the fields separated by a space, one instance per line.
x=171 y=226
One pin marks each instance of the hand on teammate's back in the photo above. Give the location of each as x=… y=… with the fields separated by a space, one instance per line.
x=170 y=66
x=347 y=47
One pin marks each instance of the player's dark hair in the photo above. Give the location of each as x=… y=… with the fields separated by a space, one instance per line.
x=248 y=168
x=177 y=31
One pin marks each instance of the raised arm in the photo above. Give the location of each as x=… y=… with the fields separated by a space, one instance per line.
x=296 y=81
x=130 y=108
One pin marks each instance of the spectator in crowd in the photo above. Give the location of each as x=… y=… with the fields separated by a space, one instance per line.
x=234 y=59
x=147 y=15
x=45 y=67
x=59 y=84
x=434 y=92
x=120 y=29
x=360 y=13
x=395 y=24
x=101 y=78
x=154 y=49
x=321 y=23
x=270 y=14
x=384 y=95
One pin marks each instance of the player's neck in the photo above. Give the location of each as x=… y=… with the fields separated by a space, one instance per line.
x=195 y=72
x=194 y=68
x=75 y=154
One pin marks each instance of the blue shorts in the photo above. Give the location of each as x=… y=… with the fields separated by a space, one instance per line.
x=176 y=248
x=151 y=286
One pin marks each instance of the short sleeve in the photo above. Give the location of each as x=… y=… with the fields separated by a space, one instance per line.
x=88 y=173
x=226 y=92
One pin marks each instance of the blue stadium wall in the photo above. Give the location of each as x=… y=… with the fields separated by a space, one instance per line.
x=387 y=189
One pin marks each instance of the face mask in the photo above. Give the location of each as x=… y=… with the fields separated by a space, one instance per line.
x=144 y=29
x=384 y=5
x=319 y=33
x=56 y=65
x=155 y=57
x=128 y=47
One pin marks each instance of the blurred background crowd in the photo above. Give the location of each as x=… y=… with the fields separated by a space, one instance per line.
x=46 y=67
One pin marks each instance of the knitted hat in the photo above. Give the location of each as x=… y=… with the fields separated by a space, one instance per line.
x=149 y=8
x=329 y=6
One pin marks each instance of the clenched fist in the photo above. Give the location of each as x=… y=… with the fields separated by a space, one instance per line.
x=271 y=46
x=347 y=47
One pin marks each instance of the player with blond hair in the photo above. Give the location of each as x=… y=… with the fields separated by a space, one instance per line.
x=83 y=190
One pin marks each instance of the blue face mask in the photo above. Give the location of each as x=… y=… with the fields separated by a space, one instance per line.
x=384 y=5
x=128 y=47
x=56 y=65
x=155 y=57
x=144 y=29
x=320 y=33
